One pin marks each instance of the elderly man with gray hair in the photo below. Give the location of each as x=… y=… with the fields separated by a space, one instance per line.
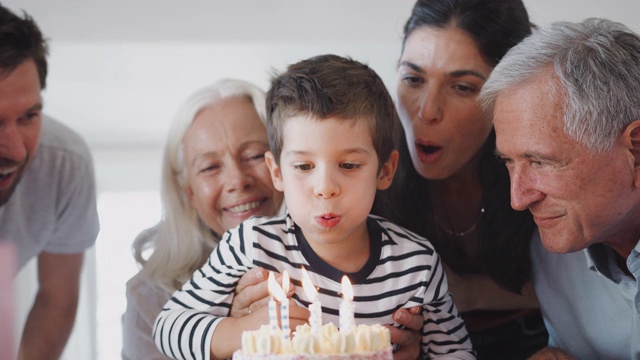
x=566 y=105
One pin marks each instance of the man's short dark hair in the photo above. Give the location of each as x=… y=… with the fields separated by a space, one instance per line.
x=20 y=40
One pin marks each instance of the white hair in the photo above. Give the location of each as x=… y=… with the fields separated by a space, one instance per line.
x=597 y=67
x=183 y=241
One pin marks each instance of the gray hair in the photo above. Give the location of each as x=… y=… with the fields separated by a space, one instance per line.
x=597 y=65
x=183 y=241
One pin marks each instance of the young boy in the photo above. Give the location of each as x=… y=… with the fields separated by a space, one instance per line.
x=330 y=122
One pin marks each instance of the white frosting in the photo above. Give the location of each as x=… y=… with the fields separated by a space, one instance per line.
x=364 y=338
x=263 y=341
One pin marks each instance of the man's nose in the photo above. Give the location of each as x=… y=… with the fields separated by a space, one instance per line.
x=523 y=189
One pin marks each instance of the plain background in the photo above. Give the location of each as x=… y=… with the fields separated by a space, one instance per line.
x=118 y=70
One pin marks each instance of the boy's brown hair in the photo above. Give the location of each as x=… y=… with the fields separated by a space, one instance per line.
x=331 y=86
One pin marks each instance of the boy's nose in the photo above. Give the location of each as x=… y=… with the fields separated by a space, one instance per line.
x=326 y=187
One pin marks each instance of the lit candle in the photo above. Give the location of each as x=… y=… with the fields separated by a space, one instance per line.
x=284 y=307
x=273 y=314
x=347 y=322
x=281 y=296
x=315 y=318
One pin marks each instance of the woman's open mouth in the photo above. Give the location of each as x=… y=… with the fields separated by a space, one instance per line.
x=428 y=153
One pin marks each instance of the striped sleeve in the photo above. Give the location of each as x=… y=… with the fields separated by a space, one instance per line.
x=185 y=326
x=444 y=333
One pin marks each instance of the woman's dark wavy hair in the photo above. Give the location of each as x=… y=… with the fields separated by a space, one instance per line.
x=495 y=26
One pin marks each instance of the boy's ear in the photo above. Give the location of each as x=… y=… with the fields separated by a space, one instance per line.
x=274 y=170
x=632 y=142
x=385 y=177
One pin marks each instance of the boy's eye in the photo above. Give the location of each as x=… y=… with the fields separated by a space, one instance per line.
x=350 y=166
x=302 y=167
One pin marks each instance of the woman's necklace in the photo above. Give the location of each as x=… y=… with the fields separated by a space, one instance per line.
x=451 y=231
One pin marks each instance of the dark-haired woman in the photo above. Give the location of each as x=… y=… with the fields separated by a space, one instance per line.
x=451 y=188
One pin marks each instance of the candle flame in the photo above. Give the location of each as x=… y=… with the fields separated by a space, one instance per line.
x=274 y=289
x=307 y=285
x=347 y=291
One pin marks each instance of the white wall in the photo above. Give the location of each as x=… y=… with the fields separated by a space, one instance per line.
x=119 y=68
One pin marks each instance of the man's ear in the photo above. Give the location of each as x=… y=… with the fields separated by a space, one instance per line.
x=632 y=142
x=274 y=170
x=385 y=177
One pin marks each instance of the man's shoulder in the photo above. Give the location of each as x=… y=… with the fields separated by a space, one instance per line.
x=60 y=139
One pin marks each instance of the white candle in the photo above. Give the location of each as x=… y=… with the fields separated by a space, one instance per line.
x=315 y=309
x=281 y=296
x=284 y=307
x=273 y=313
x=347 y=322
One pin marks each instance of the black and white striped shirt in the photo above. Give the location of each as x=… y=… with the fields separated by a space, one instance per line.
x=403 y=270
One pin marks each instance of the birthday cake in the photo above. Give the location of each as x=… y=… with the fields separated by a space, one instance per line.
x=365 y=342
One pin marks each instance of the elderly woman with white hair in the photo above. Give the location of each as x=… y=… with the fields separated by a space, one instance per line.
x=213 y=177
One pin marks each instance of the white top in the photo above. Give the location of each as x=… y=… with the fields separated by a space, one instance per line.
x=53 y=208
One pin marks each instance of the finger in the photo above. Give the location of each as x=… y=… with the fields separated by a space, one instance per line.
x=407 y=343
x=251 y=294
x=252 y=277
x=298 y=312
x=407 y=318
x=259 y=304
x=247 y=296
x=404 y=337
